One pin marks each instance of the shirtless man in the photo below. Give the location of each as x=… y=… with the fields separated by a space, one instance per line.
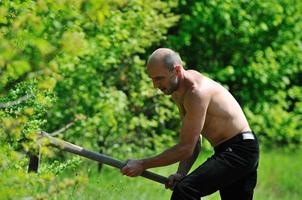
x=206 y=109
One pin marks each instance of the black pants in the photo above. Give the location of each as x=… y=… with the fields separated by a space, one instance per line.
x=232 y=170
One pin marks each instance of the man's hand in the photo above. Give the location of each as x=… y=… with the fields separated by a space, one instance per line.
x=133 y=168
x=172 y=180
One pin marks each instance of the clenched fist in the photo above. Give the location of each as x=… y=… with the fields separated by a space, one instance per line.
x=133 y=168
x=172 y=180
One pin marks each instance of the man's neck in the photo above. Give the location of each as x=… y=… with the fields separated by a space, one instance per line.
x=184 y=84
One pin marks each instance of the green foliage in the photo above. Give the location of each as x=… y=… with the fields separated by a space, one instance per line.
x=16 y=183
x=81 y=63
x=279 y=181
x=57 y=167
x=87 y=54
x=103 y=75
x=20 y=120
x=254 y=49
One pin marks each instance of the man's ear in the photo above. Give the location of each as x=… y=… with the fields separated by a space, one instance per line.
x=177 y=69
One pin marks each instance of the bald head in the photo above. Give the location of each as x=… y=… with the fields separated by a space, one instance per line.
x=166 y=57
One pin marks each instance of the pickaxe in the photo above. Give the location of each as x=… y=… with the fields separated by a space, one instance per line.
x=72 y=148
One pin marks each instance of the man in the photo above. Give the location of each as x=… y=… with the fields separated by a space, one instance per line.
x=208 y=109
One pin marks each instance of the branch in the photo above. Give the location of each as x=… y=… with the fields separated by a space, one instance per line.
x=67 y=126
x=16 y=102
x=64 y=128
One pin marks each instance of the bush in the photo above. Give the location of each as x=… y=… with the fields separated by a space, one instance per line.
x=78 y=65
x=254 y=49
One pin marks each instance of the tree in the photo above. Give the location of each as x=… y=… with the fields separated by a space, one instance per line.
x=254 y=49
x=79 y=62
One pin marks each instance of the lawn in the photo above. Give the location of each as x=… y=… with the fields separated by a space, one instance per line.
x=279 y=178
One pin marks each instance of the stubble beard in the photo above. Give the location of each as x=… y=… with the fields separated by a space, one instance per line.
x=173 y=85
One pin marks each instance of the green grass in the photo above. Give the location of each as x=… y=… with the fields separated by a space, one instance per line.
x=279 y=178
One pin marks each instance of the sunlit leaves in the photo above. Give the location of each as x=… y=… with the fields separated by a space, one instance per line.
x=254 y=48
x=74 y=43
x=75 y=58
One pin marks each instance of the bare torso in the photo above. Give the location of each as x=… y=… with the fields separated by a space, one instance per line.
x=224 y=117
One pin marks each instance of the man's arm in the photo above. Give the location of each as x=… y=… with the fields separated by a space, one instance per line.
x=196 y=106
x=185 y=165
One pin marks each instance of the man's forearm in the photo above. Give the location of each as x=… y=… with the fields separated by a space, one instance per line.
x=185 y=165
x=172 y=155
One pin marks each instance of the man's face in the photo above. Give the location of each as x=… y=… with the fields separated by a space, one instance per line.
x=163 y=79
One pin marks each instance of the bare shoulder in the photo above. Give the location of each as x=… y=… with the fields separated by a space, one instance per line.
x=200 y=92
x=202 y=85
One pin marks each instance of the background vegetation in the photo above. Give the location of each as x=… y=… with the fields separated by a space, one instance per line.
x=76 y=68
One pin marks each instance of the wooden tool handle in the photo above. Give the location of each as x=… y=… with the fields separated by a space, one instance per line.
x=72 y=148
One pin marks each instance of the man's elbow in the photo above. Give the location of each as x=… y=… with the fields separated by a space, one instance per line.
x=186 y=152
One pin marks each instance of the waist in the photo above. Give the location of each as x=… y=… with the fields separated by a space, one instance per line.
x=248 y=135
